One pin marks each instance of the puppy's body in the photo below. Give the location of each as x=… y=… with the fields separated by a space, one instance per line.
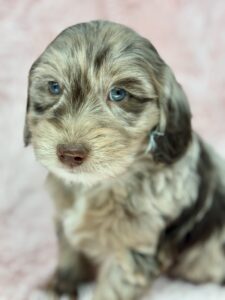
x=137 y=206
x=137 y=214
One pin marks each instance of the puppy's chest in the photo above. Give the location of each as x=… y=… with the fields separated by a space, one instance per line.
x=104 y=222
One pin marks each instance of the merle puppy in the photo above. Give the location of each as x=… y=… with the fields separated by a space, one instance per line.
x=137 y=193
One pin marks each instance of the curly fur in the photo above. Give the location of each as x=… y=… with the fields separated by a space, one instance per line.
x=126 y=214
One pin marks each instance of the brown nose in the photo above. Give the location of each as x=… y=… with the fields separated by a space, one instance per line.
x=72 y=155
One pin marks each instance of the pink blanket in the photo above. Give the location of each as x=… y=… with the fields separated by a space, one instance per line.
x=189 y=35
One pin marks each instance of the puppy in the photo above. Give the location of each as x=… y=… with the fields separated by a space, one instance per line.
x=137 y=193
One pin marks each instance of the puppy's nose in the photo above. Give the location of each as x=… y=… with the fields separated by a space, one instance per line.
x=72 y=155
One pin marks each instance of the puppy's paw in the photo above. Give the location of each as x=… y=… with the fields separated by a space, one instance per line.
x=62 y=283
x=49 y=295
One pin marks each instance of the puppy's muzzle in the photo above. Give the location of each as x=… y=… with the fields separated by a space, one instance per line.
x=72 y=155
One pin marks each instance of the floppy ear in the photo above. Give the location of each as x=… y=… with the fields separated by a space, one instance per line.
x=26 y=131
x=175 y=121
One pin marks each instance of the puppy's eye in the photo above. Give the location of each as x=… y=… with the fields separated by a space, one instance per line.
x=54 y=87
x=117 y=94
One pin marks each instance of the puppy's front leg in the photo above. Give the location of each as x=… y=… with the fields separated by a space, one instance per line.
x=118 y=283
x=73 y=268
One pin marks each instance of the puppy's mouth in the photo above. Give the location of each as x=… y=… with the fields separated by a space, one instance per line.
x=76 y=170
x=87 y=173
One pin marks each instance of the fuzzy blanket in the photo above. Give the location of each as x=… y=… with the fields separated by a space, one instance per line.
x=189 y=35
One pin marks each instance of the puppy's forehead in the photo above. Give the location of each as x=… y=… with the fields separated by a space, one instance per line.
x=94 y=40
x=96 y=47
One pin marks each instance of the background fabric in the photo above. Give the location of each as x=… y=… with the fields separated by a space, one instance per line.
x=190 y=37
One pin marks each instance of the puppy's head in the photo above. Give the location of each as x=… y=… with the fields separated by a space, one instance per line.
x=95 y=96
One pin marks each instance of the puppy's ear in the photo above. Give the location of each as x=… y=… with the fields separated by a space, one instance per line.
x=175 y=121
x=26 y=131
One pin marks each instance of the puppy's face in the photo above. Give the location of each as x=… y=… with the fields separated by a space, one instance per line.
x=93 y=100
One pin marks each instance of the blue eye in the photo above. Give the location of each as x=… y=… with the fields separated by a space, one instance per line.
x=117 y=94
x=54 y=87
